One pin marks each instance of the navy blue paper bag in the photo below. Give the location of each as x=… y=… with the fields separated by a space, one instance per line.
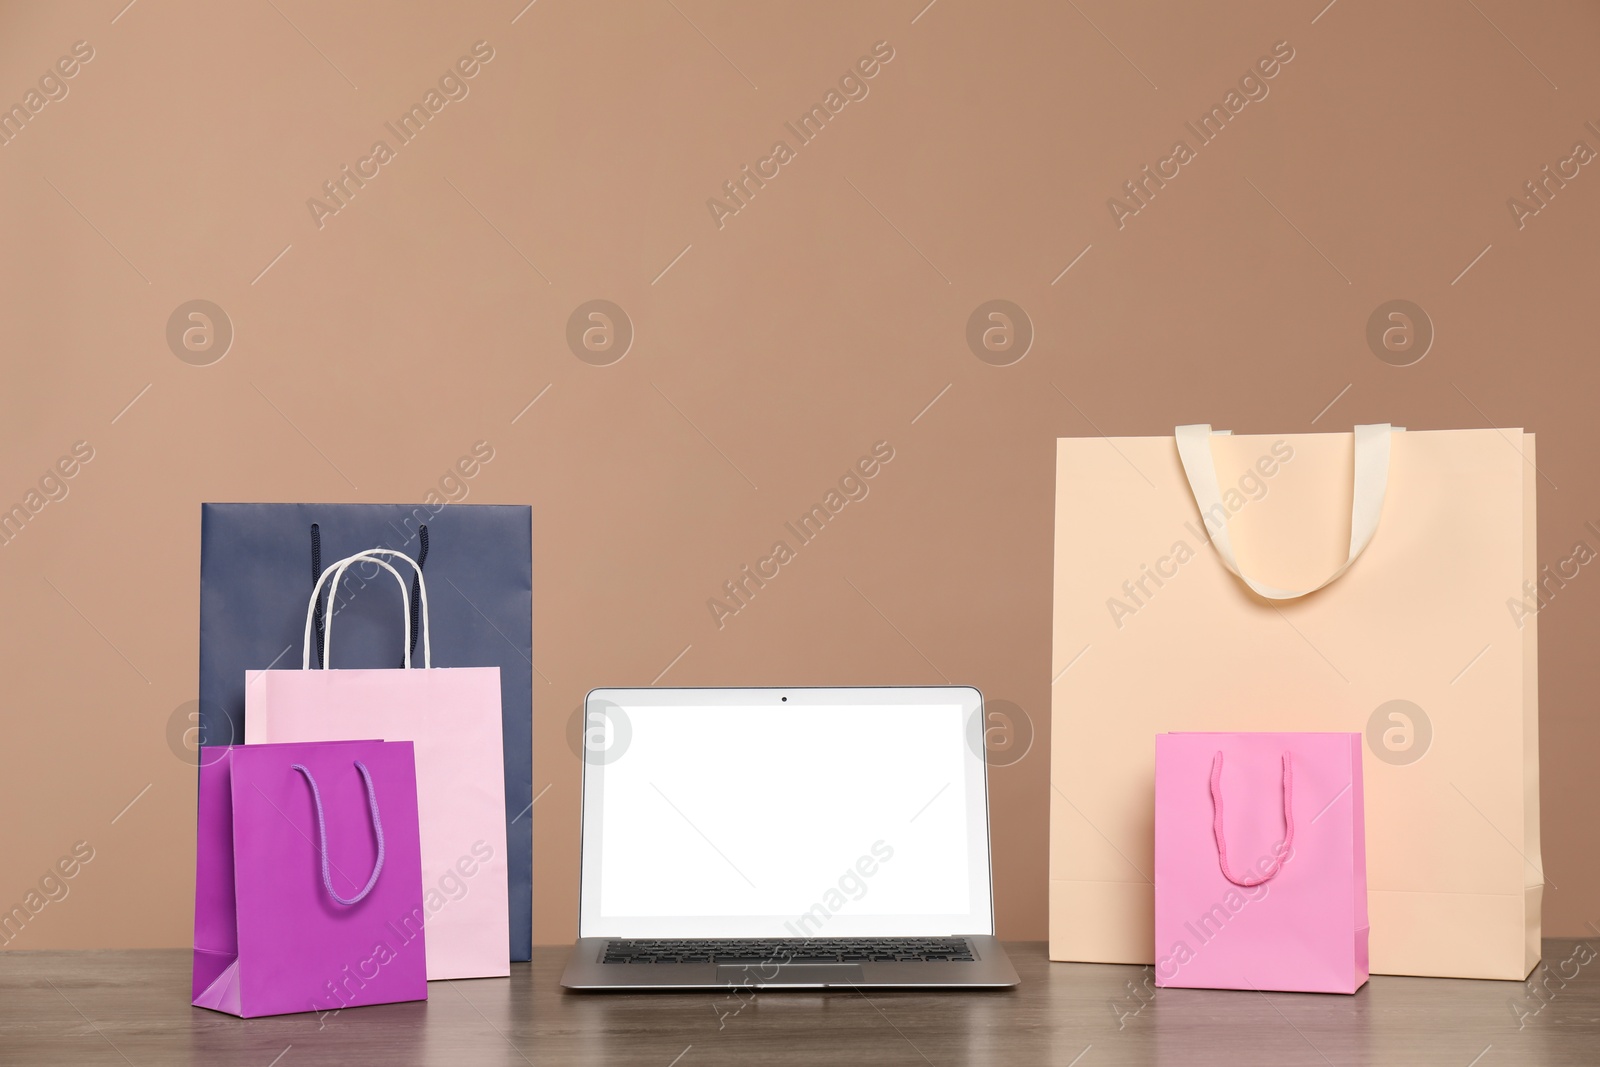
x=259 y=562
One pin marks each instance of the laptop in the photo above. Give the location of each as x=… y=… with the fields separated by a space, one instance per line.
x=742 y=839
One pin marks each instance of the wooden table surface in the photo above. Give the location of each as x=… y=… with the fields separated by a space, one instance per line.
x=121 y=1008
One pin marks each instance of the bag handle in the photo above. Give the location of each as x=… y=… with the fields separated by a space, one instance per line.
x=1371 y=486
x=1216 y=824
x=336 y=572
x=416 y=582
x=409 y=607
x=316 y=572
x=322 y=834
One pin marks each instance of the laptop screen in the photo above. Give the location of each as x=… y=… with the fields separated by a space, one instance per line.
x=784 y=813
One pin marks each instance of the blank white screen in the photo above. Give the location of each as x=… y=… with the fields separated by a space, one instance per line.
x=767 y=811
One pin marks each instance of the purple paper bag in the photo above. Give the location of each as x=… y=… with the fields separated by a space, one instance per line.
x=308 y=879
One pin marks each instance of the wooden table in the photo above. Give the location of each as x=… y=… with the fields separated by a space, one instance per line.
x=121 y=1008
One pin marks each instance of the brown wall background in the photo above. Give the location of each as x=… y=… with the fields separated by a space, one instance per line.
x=371 y=352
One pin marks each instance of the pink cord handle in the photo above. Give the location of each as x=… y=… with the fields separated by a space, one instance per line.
x=1288 y=823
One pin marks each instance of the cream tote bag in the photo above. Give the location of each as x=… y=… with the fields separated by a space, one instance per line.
x=1381 y=583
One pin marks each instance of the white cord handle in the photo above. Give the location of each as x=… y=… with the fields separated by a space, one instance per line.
x=336 y=573
x=1371 y=486
x=372 y=555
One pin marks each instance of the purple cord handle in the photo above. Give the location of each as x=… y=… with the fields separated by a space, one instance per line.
x=1216 y=823
x=322 y=834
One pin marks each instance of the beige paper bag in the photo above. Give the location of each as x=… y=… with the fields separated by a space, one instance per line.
x=1418 y=630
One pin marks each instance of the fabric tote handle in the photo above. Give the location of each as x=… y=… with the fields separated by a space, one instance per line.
x=412 y=614
x=1371 y=486
x=1222 y=843
x=336 y=572
x=322 y=834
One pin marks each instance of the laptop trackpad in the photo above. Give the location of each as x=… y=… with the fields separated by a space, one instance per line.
x=843 y=974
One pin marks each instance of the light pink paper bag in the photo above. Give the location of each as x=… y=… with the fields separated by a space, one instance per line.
x=452 y=715
x=1261 y=868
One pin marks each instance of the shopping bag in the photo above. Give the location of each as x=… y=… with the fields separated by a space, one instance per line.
x=452 y=714
x=259 y=562
x=308 y=879
x=1260 y=862
x=1376 y=583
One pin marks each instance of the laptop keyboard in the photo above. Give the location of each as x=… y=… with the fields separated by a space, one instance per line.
x=810 y=950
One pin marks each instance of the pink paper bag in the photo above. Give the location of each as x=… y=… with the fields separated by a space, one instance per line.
x=452 y=715
x=1260 y=862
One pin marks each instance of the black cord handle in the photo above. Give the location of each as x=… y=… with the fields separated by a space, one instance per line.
x=316 y=576
x=416 y=586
